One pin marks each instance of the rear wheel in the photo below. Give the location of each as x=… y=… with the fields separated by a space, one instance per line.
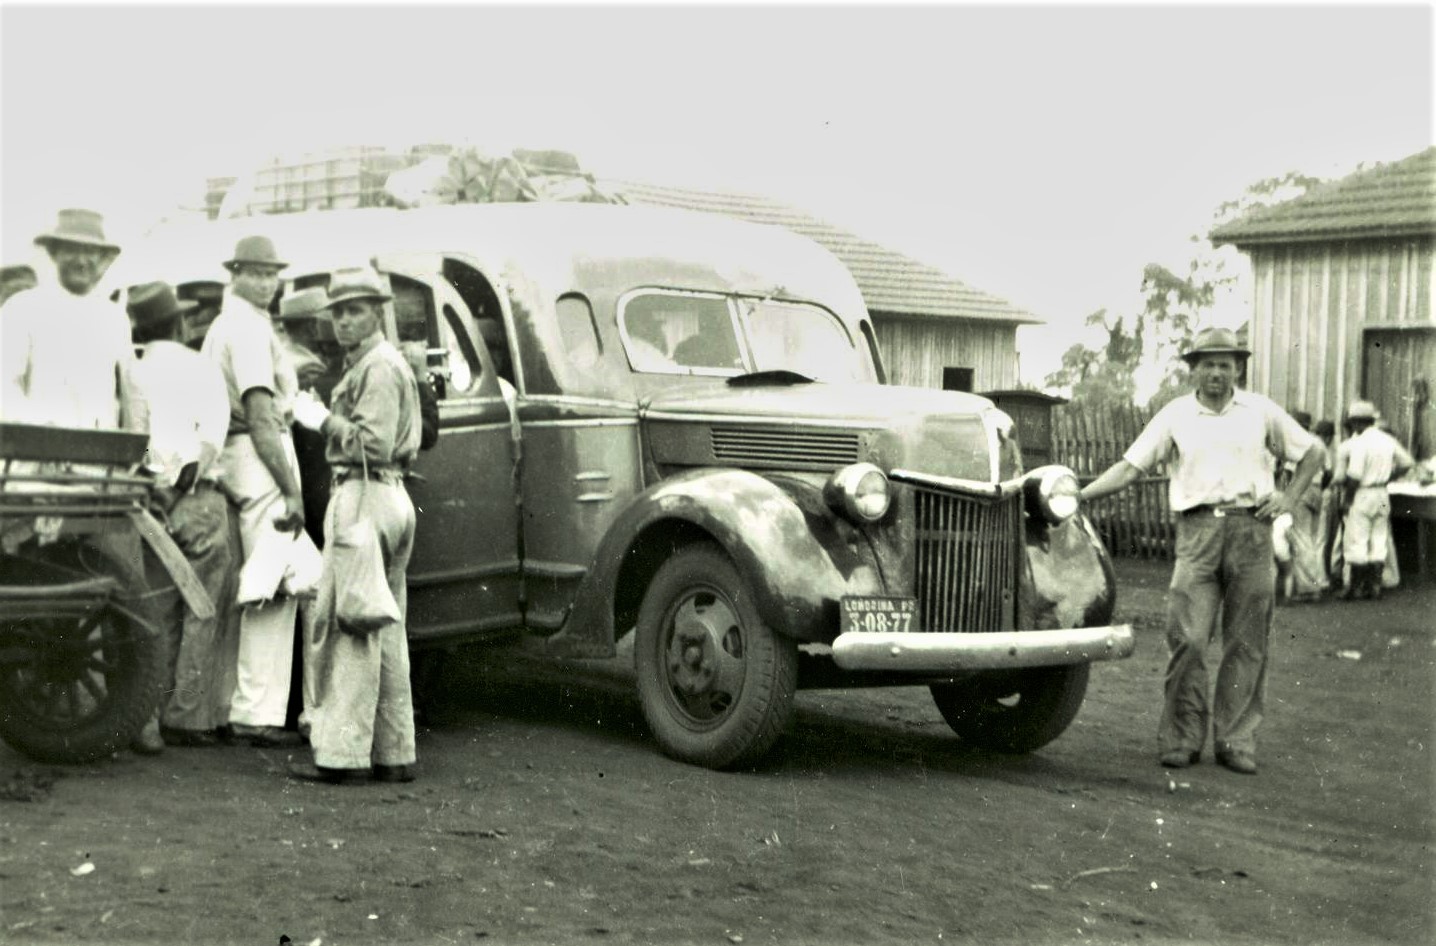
x=1014 y=711
x=715 y=682
x=76 y=687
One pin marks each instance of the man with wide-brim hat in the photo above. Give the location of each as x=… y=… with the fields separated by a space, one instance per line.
x=66 y=361
x=1218 y=444
x=188 y=411
x=66 y=349
x=1365 y=463
x=259 y=471
x=363 y=724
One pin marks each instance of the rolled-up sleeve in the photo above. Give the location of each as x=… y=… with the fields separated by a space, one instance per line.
x=1153 y=444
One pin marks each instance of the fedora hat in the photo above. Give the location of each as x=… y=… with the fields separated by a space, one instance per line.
x=305 y=304
x=1361 y=410
x=256 y=251
x=361 y=282
x=1214 y=341
x=85 y=227
x=155 y=302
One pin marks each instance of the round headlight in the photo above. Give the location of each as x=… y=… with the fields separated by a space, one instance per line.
x=1055 y=493
x=860 y=492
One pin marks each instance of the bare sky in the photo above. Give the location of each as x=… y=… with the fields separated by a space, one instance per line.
x=1043 y=154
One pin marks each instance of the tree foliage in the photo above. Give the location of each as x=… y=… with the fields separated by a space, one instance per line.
x=1173 y=310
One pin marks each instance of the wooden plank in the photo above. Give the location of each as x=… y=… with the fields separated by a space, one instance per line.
x=1301 y=350
x=1323 y=354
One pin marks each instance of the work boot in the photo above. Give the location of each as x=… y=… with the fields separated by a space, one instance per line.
x=148 y=740
x=1373 y=580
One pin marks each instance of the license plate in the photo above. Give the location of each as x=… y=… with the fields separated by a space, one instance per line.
x=874 y=613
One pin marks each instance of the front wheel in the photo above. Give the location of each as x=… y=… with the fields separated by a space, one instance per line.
x=715 y=682
x=1013 y=711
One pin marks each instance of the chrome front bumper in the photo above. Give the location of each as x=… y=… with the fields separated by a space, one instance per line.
x=999 y=650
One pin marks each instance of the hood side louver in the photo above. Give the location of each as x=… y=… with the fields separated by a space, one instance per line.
x=783 y=446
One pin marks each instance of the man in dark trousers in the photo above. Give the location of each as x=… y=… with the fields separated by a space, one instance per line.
x=1219 y=444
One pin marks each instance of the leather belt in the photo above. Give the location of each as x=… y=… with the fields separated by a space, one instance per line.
x=382 y=474
x=1218 y=511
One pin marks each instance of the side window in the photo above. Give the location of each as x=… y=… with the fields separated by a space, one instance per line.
x=680 y=333
x=579 y=331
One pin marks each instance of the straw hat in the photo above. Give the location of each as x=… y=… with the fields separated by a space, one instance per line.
x=85 y=227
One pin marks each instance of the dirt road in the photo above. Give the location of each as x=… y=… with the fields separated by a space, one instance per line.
x=546 y=815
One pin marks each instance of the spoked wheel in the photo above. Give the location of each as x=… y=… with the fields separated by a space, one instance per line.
x=716 y=683
x=77 y=684
x=1015 y=711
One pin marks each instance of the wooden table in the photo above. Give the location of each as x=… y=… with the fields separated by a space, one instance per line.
x=1417 y=503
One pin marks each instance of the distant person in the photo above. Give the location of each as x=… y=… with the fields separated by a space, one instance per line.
x=1367 y=462
x=1218 y=444
x=188 y=417
x=260 y=473
x=363 y=724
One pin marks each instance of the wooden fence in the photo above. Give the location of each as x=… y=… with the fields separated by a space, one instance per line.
x=1137 y=521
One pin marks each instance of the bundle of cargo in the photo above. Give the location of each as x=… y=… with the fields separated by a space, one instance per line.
x=469 y=176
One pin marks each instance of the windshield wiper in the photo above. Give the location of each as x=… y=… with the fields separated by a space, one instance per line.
x=772 y=376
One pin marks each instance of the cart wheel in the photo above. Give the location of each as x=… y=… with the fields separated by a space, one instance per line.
x=79 y=687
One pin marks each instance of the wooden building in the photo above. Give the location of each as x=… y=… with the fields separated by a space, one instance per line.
x=933 y=330
x=1344 y=305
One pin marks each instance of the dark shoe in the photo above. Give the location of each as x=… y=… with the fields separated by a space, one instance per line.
x=393 y=773
x=189 y=738
x=1180 y=758
x=313 y=773
x=1238 y=761
x=148 y=741
x=264 y=737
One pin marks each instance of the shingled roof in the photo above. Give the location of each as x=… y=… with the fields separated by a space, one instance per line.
x=1393 y=200
x=890 y=282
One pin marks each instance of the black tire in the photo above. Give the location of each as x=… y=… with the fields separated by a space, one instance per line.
x=78 y=688
x=1014 y=711
x=715 y=682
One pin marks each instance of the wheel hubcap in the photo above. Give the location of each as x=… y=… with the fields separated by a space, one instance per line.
x=704 y=656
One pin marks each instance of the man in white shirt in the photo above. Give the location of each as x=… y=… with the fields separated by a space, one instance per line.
x=188 y=418
x=64 y=352
x=1218 y=443
x=1365 y=463
x=259 y=471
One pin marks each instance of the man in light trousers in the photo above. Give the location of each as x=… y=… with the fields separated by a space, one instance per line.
x=260 y=473
x=363 y=723
x=1218 y=443
x=1365 y=464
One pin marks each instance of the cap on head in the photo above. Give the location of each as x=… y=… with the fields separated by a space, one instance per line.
x=1214 y=341
x=305 y=304
x=360 y=282
x=255 y=251
x=1324 y=428
x=1361 y=410
x=154 y=303
x=84 y=227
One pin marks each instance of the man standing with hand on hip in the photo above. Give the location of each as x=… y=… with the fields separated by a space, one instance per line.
x=261 y=475
x=363 y=725
x=1218 y=443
